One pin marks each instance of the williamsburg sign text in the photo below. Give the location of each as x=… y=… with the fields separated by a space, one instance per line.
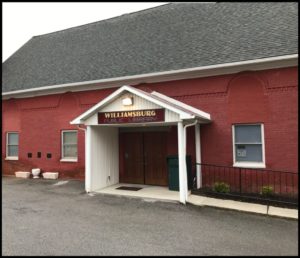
x=131 y=116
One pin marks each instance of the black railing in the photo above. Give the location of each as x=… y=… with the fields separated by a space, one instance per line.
x=254 y=183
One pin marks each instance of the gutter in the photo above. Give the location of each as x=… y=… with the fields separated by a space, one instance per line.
x=188 y=73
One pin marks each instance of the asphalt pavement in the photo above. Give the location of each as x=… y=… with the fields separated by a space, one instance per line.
x=56 y=217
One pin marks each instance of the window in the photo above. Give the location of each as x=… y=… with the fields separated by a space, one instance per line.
x=12 y=145
x=69 y=146
x=248 y=141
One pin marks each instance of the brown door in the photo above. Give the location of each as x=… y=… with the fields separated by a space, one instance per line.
x=143 y=158
x=133 y=160
x=155 y=153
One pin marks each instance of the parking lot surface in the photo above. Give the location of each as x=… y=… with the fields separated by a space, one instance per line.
x=56 y=217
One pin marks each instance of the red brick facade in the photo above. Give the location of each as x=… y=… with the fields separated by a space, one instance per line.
x=269 y=97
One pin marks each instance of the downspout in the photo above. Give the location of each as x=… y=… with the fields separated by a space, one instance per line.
x=87 y=184
x=198 y=155
x=184 y=150
x=83 y=129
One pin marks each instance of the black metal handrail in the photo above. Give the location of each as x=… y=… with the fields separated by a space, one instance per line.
x=251 y=181
x=281 y=171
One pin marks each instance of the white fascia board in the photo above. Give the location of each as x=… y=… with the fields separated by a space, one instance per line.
x=92 y=110
x=200 y=113
x=188 y=73
x=80 y=119
x=139 y=93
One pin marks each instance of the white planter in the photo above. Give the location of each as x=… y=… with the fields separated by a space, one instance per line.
x=36 y=172
x=50 y=175
x=22 y=174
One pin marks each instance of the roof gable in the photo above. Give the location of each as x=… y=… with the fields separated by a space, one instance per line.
x=184 y=111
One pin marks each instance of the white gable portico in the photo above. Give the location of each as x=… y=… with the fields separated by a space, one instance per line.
x=131 y=107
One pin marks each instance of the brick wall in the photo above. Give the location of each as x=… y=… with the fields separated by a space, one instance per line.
x=269 y=97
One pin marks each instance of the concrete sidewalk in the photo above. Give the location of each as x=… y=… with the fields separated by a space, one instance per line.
x=243 y=206
x=163 y=193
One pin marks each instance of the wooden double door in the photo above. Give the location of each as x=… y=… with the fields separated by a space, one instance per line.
x=143 y=158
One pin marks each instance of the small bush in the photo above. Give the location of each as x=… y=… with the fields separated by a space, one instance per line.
x=221 y=187
x=267 y=190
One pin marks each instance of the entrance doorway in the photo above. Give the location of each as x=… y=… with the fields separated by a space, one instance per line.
x=143 y=158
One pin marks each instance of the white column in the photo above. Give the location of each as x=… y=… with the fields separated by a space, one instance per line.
x=181 y=163
x=184 y=154
x=185 y=179
x=198 y=154
x=88 y=159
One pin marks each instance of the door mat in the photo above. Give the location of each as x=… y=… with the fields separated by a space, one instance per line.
x=130 y=188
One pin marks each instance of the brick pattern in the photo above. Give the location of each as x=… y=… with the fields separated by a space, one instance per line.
x=268 y=97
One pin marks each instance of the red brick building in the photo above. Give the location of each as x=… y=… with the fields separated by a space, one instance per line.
x=232 y=80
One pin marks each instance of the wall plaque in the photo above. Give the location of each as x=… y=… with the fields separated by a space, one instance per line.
x=132 y=116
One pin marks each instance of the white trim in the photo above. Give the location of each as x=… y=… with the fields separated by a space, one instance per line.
x=68 y=159
x=88 y=159
x=184 y=155
x=6 y=146
x=181 y=162
x=11 y=158
x=195 y=72
x=183 y=115
x=138 y=124
x=90 y=111
x=176 y=102
x=263 y=143
x=248 y=164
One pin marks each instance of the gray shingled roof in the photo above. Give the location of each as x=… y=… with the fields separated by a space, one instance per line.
x=168 y=37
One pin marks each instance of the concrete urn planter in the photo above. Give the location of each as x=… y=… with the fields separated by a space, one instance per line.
x=35 y=172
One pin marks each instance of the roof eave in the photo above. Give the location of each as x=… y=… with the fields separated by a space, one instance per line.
x=188 y=73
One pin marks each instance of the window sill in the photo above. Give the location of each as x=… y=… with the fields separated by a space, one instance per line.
x=249 y=165
x=69 y=160
x=12 y=158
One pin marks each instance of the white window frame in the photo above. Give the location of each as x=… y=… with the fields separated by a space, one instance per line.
x=63 y=159
x=11 y=157
x=249 y=164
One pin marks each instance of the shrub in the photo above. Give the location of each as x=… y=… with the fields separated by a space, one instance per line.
x=267 y=190
x=221 y=187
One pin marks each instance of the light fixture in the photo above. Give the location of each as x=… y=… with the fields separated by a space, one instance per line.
x=127 y=101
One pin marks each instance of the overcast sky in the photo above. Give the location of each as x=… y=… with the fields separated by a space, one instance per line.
x=22 y=21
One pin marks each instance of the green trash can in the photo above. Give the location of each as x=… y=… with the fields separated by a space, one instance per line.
x=173 y=172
